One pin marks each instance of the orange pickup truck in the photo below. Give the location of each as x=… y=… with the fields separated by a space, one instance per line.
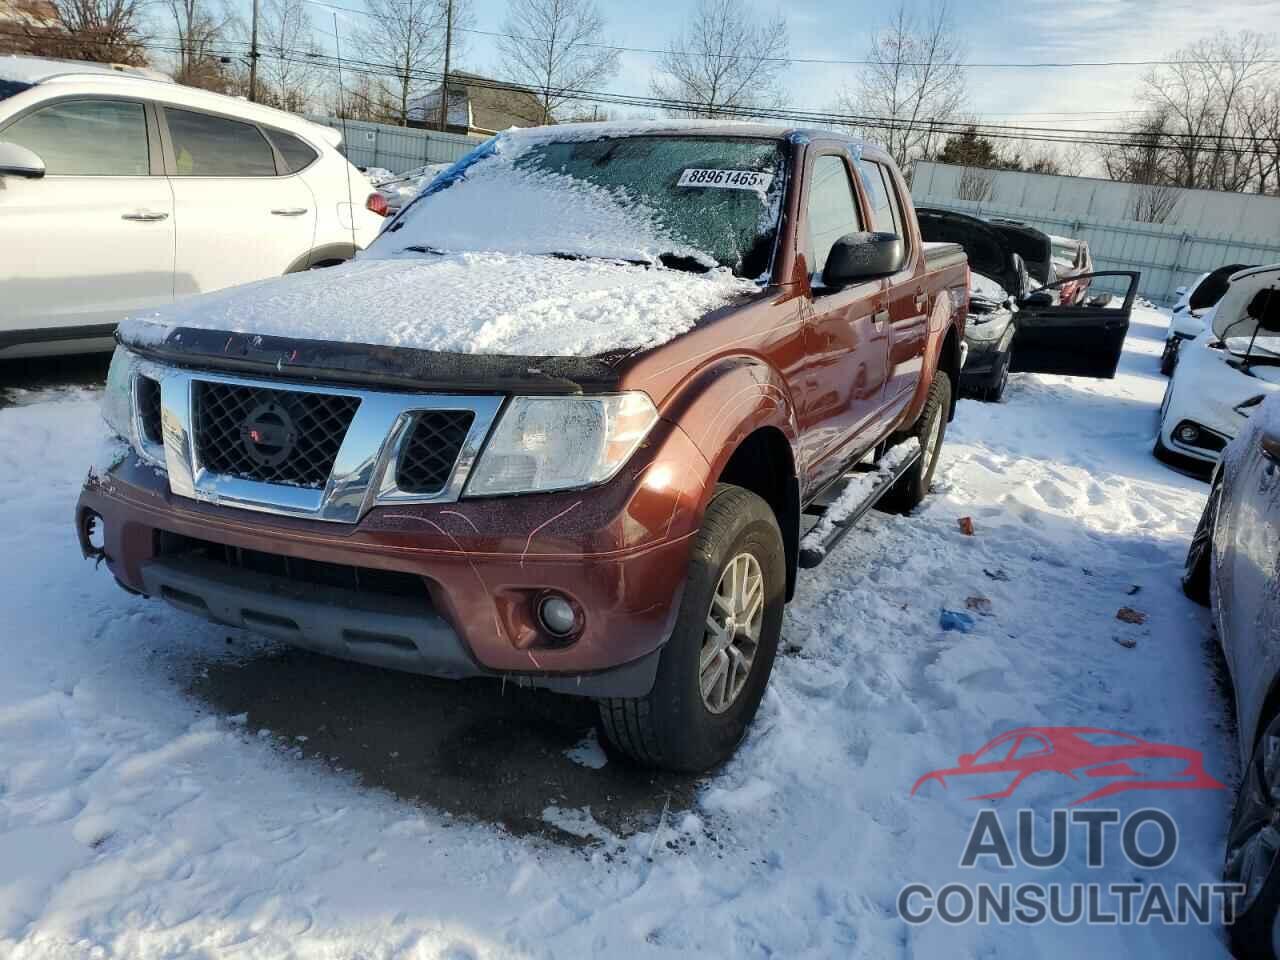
x=560 y=424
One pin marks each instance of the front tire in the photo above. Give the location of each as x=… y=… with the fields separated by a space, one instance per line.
x=1195 y=571
x=995 y=392
x=1169 y=358
x=713 y=671
x=1253 y=850
x=931 y=430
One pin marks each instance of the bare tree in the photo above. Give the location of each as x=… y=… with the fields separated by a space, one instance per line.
x=105 y=31
x=726 y=59
x=915 y=75
x=289 y=79
x=1153 y=202
x=976 y=183
x=555 y=47
x=1203 y=94
x=200 y=29
x=407 y=37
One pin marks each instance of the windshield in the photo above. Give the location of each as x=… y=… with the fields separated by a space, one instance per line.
x=1065 y=252
x=10 y=87
x=697 y=202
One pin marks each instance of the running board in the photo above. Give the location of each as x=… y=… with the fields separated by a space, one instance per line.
x=863 y=491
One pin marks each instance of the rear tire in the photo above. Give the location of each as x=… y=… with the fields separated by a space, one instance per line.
x=1250 y=857
x=931 y=430
x=678 y=726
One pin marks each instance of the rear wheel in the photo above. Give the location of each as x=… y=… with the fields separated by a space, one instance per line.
x=930 y=430
x=713 y=671
x=1253 y=851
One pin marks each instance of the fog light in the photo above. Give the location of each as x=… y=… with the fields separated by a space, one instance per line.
x=1189 y=433
x=557 y=615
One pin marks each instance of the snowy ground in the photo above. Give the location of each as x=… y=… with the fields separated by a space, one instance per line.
x=143 y=815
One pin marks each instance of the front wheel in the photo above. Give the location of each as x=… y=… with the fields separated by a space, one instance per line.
x=713 y=671
x=1195 y=572
x=1253 y=851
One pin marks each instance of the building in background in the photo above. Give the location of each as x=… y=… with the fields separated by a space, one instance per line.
x=24 y=21
x=478 y=106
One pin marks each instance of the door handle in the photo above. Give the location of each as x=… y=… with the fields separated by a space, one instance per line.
x=144 y=216
x=922 y=299
x=880 y=318
x=288 y=211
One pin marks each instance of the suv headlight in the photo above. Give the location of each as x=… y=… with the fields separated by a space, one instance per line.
x=557 y=443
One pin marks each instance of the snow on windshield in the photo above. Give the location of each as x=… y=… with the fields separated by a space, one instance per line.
x=709 y=200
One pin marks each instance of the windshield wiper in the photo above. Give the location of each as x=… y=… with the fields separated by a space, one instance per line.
x=419 y=248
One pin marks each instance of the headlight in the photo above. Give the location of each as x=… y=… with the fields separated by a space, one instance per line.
x=117 y=399
x=556 y=443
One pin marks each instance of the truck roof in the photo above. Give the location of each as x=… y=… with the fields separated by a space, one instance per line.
x=560 y=133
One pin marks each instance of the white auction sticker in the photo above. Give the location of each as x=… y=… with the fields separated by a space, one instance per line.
x=726 y=179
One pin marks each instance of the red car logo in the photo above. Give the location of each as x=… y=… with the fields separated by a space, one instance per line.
x=1082 y=753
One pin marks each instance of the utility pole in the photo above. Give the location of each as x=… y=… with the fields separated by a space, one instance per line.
x=444 y=80
x=253 y=56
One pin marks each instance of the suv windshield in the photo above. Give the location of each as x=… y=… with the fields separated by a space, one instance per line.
x=9 y=87
x=688 y=201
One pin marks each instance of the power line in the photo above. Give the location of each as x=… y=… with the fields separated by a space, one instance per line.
x=832 y=61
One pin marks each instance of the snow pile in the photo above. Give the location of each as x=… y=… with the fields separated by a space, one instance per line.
x=462 y=303
x=986 y=288
x=857 y=488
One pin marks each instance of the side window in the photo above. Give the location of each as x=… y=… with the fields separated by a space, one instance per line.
x=833 y=209
x=207 y=146
x=885 y=215
x=86 y=138
x=297 y=154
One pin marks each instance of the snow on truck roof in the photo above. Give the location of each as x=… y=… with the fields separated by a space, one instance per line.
x=571 y=132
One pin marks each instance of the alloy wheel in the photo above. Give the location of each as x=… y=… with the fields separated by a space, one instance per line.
x=732 y=634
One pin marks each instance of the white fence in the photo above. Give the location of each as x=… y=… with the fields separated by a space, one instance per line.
x=397 y=148
x=1167 y=256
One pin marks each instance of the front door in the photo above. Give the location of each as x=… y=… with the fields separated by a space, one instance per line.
x=92 y=240
x=848 y=334
x=238 y=220
x=1084 y=340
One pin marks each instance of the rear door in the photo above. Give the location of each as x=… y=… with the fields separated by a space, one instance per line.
x=908 y=298
x=240 y=215
x=1084 y=340
x=92 y=240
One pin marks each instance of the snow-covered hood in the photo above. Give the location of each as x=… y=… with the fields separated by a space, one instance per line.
x=479 y=304
x=1215 y=388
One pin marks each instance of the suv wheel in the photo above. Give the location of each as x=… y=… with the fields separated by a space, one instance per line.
x=1253 y=851
x=713 y=671
x=931 y=430
x=995 y=392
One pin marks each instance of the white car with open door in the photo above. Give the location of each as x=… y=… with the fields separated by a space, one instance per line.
x=120 y=192
x=1194 y=311
x=1224 y=373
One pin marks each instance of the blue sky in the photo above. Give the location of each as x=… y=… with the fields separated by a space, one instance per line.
x=993 y=31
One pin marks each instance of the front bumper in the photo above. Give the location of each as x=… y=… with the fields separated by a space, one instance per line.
x=618 y=552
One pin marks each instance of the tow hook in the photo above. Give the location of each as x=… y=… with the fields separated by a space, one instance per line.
x=92 y=538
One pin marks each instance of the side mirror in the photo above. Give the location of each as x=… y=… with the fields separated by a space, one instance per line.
x=1038 y=298
x=1265 y=309
x=16 y=161
x=862 y=256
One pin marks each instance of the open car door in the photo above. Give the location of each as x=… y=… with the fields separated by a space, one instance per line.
x=1084 y=340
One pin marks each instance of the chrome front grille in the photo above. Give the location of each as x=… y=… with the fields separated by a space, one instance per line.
x=272 y=436
x=323 y=453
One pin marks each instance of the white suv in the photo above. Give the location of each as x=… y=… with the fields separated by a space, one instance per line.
x=121 y=191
